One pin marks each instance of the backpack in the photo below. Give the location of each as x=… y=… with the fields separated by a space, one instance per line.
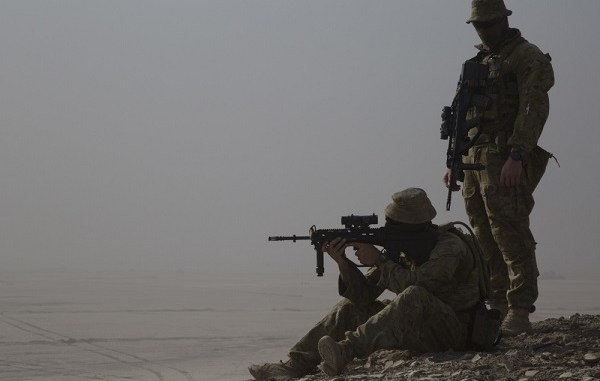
x=470 y=240
x=485 y=327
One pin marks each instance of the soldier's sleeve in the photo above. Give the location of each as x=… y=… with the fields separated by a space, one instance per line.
x=360 y=289
x=535 y=77
x=437 y=273
x=396 y=278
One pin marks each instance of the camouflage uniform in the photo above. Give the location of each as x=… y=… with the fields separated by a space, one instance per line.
x=422 y=317
x=434 y=307
x=520 y=76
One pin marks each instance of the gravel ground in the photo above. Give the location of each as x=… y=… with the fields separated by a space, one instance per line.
x=558 y=349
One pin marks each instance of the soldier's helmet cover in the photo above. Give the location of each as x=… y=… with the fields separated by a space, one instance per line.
x=486 y=10
x=410 y=206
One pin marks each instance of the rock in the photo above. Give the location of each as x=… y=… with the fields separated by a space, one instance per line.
x=508 y=366
x=531 y=373
x=566 y=375
x=362 y=377
x=467 y=356
x=546 y=355
x=388 y=364
x=591 y=358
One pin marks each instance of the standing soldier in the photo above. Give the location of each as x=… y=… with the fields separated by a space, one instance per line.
x=499 y=198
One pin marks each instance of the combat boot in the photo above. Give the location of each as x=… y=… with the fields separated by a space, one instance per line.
x=281 y=371
x=516 y=322
x=335 y=355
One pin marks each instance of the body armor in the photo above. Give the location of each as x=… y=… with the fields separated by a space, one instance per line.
x=502 y=92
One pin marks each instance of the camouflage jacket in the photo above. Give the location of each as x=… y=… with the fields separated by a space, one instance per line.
x=520 y=76
x=450 y=274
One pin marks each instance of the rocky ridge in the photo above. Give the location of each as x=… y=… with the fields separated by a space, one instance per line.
x=558 y=349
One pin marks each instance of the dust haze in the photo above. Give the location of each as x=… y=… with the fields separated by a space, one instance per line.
x=154 y=136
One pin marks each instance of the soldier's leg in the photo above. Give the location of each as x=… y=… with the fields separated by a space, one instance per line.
x=416 y=320
x=304 y=356
x=478 y=218
x=508 y=210
x=345 y=316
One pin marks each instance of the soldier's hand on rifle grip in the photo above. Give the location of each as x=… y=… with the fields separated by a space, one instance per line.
x=446 y=180
x=335 y=249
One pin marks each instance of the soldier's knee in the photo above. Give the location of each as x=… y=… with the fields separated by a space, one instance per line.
x=415 y=291
x=412 y=295
x=351 y=313
x=346 y=308
x=344 y=305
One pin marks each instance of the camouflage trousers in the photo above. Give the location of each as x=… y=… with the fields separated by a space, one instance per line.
x=499 y=216
x=414 y=320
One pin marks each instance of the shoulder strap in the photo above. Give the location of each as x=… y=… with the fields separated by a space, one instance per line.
x=475 y=248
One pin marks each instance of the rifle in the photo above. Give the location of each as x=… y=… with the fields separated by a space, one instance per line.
x=455 y=126
x=416 y=245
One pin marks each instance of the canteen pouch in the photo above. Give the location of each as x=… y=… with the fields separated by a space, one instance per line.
x=485 y=333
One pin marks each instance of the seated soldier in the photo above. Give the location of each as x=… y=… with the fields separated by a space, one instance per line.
x=437 y=294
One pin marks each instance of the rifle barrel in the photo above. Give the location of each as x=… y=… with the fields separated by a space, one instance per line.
x=293 y=238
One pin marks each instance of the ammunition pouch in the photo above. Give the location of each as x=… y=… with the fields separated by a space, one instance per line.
x=485 y=328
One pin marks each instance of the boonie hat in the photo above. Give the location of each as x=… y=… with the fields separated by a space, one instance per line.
x=410 y=206
x=485 y=10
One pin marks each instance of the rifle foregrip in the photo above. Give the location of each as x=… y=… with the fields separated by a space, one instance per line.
x=320 y=265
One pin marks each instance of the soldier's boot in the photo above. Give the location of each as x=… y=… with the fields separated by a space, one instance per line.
x=516 y=322
x=502 y=307
x=281 y=371
x=335 y=355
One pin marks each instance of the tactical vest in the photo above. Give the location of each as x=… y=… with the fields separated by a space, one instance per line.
x=501 y=89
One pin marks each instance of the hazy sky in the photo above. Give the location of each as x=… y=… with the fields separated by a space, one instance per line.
x=178 y=135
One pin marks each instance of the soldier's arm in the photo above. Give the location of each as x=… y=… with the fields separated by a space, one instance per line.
x=535 y=77
x=359 y=288
x=396 y=278
x=434 y=274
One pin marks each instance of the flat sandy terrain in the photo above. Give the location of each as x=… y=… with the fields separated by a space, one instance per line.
x=67 y=327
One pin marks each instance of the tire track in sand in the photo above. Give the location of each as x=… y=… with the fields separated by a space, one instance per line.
x=101 y=350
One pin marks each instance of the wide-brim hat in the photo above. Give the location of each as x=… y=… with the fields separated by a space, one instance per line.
x=410 y=206
x=486 y=10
